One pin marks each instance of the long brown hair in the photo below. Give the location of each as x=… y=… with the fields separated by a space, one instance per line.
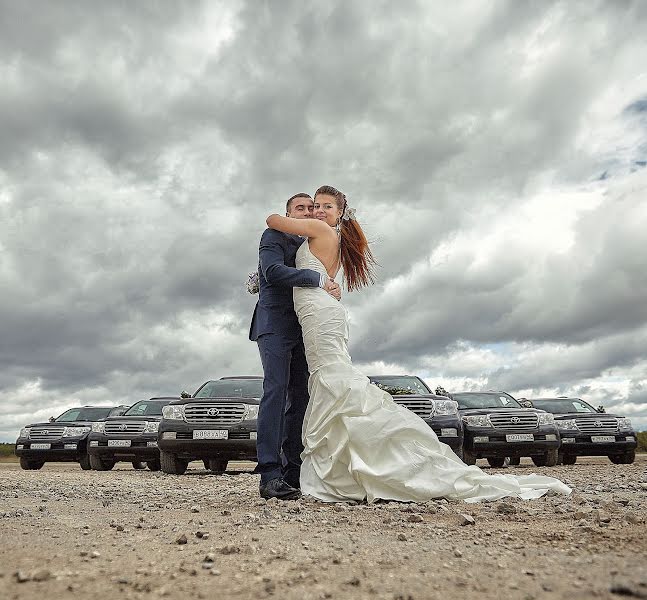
x=356 y=257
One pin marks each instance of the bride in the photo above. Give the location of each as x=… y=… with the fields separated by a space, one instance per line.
x=358 y=443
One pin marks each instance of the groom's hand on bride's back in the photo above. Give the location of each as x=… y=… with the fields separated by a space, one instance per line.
x=333 y=288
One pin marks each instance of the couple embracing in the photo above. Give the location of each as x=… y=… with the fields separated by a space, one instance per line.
x=323 y=428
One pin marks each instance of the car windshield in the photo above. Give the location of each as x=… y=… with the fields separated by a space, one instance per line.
x=231 y=388
x=562 y=406
x=485 y=400
x=146 y=408
x=84 y=414
x=398 y=385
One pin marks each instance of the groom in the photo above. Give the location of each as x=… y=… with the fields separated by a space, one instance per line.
x=277 y=332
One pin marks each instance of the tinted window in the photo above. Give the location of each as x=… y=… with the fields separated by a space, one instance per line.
x=563 y=406
x=401 y=385
x=485 y=400
x=236 y=388
x=84 y=414
x=146 y=408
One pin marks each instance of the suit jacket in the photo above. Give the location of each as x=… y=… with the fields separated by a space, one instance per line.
x=277 y=275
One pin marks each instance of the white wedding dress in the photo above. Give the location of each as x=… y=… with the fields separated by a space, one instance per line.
x=361 y=445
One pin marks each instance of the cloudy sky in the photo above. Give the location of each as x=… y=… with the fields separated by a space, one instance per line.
x=495 y=153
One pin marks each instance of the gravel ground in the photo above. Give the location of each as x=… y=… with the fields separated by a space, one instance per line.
x=135 y=534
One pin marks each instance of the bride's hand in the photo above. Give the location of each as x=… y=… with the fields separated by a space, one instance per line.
x=333 y=288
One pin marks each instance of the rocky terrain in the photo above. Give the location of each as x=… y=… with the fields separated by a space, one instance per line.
x=68 y=533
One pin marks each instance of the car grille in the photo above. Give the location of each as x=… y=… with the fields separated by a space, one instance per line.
x=420 y=406
x=39 y=434
x=606 y=424
x=516 y=421
x=222 y=413
x=120 y=427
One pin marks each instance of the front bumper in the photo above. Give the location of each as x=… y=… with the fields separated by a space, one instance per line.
x=579 y=444
x=448 y=429
x=490 y=442
x=177 y=437
x=142 y=447
x=59 y=450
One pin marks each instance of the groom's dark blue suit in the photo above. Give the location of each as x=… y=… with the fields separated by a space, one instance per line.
x=277 y=331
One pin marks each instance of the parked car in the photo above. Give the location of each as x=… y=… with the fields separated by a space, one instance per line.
x=131 y=437
x=497 y=426
x=62 y=439
x=217 y=424
x=439 y=412
x=586 y=431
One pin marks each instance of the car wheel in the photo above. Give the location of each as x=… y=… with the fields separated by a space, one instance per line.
x=497 y=461
x=469 y=458
x=99 y=464
x=569 y=459
x=138 y=466
x=515 y=461
x=206 y=464
x=623 y=459
x=546 y=460
x=84 y=461
x=30 y=465
x=217 y=465
x=153 y=465
x=171 y=464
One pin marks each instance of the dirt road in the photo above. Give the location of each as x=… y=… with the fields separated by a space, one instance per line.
x=67 y=533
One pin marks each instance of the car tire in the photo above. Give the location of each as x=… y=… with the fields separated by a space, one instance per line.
x=205 y=462
x=515 y=461
x=84 y=461
x=569 y=459
x=99 y=464
x=496 y=462
x=30 y=465
x=623 y=459
x=469 y=458
x=546 y=460
x=217 y=465
x=153 y=465
x=171 y=464
x=138 y=466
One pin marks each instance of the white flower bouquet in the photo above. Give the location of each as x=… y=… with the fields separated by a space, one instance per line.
x=252 y=283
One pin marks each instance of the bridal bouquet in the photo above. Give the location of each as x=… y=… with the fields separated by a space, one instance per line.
x=252 y=284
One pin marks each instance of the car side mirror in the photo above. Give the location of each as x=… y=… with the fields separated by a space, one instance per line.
x=600 y=409
x=526 y=404
x=52 y=419
x=185 y=394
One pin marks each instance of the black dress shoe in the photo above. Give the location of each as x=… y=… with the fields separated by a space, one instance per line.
x=295 y=483
x=277 y=488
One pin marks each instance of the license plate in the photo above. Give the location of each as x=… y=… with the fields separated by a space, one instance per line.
x=603 y=438
x=211 y=434
x=519 y=437
x=40 y=446
x=119 y=443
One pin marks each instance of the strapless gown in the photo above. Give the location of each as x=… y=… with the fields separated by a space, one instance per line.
x=359 y=444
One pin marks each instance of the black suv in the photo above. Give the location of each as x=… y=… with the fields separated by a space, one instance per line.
x=131 y=437
x=586 y=431
x=497 y=426
x=217 y=424
x=439 y=412
x=62 y=439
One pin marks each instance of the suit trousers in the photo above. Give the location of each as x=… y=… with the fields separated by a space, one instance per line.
x=282 y=407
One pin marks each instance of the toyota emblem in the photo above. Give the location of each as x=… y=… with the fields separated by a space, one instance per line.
x=598 y=423
x=213 y=412
x=45 y=432
x=515 y=419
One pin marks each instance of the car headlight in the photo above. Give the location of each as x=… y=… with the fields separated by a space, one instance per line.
x=173 y=411
x=477 y=421
x=546 y=418
x=445 y=407
x=624 y=423
x=24 y=432
x=75 y=431
x=151 y=427
x=566 y=424
x=252 y=411
x=98 y=427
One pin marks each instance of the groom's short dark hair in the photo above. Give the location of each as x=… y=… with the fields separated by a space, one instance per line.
x=299 y=195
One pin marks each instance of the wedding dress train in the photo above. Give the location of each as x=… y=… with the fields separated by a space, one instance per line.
x=359 y=444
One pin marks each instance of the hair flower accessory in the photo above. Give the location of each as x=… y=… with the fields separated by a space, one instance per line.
x=252 y=283
x=349 y=214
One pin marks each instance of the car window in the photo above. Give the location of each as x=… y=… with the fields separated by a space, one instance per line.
x=485 y=400
x=234 y=388
x=146 y=408
x=84 y=414
x=581 y=407
x=563 y=406
x=400 y=385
